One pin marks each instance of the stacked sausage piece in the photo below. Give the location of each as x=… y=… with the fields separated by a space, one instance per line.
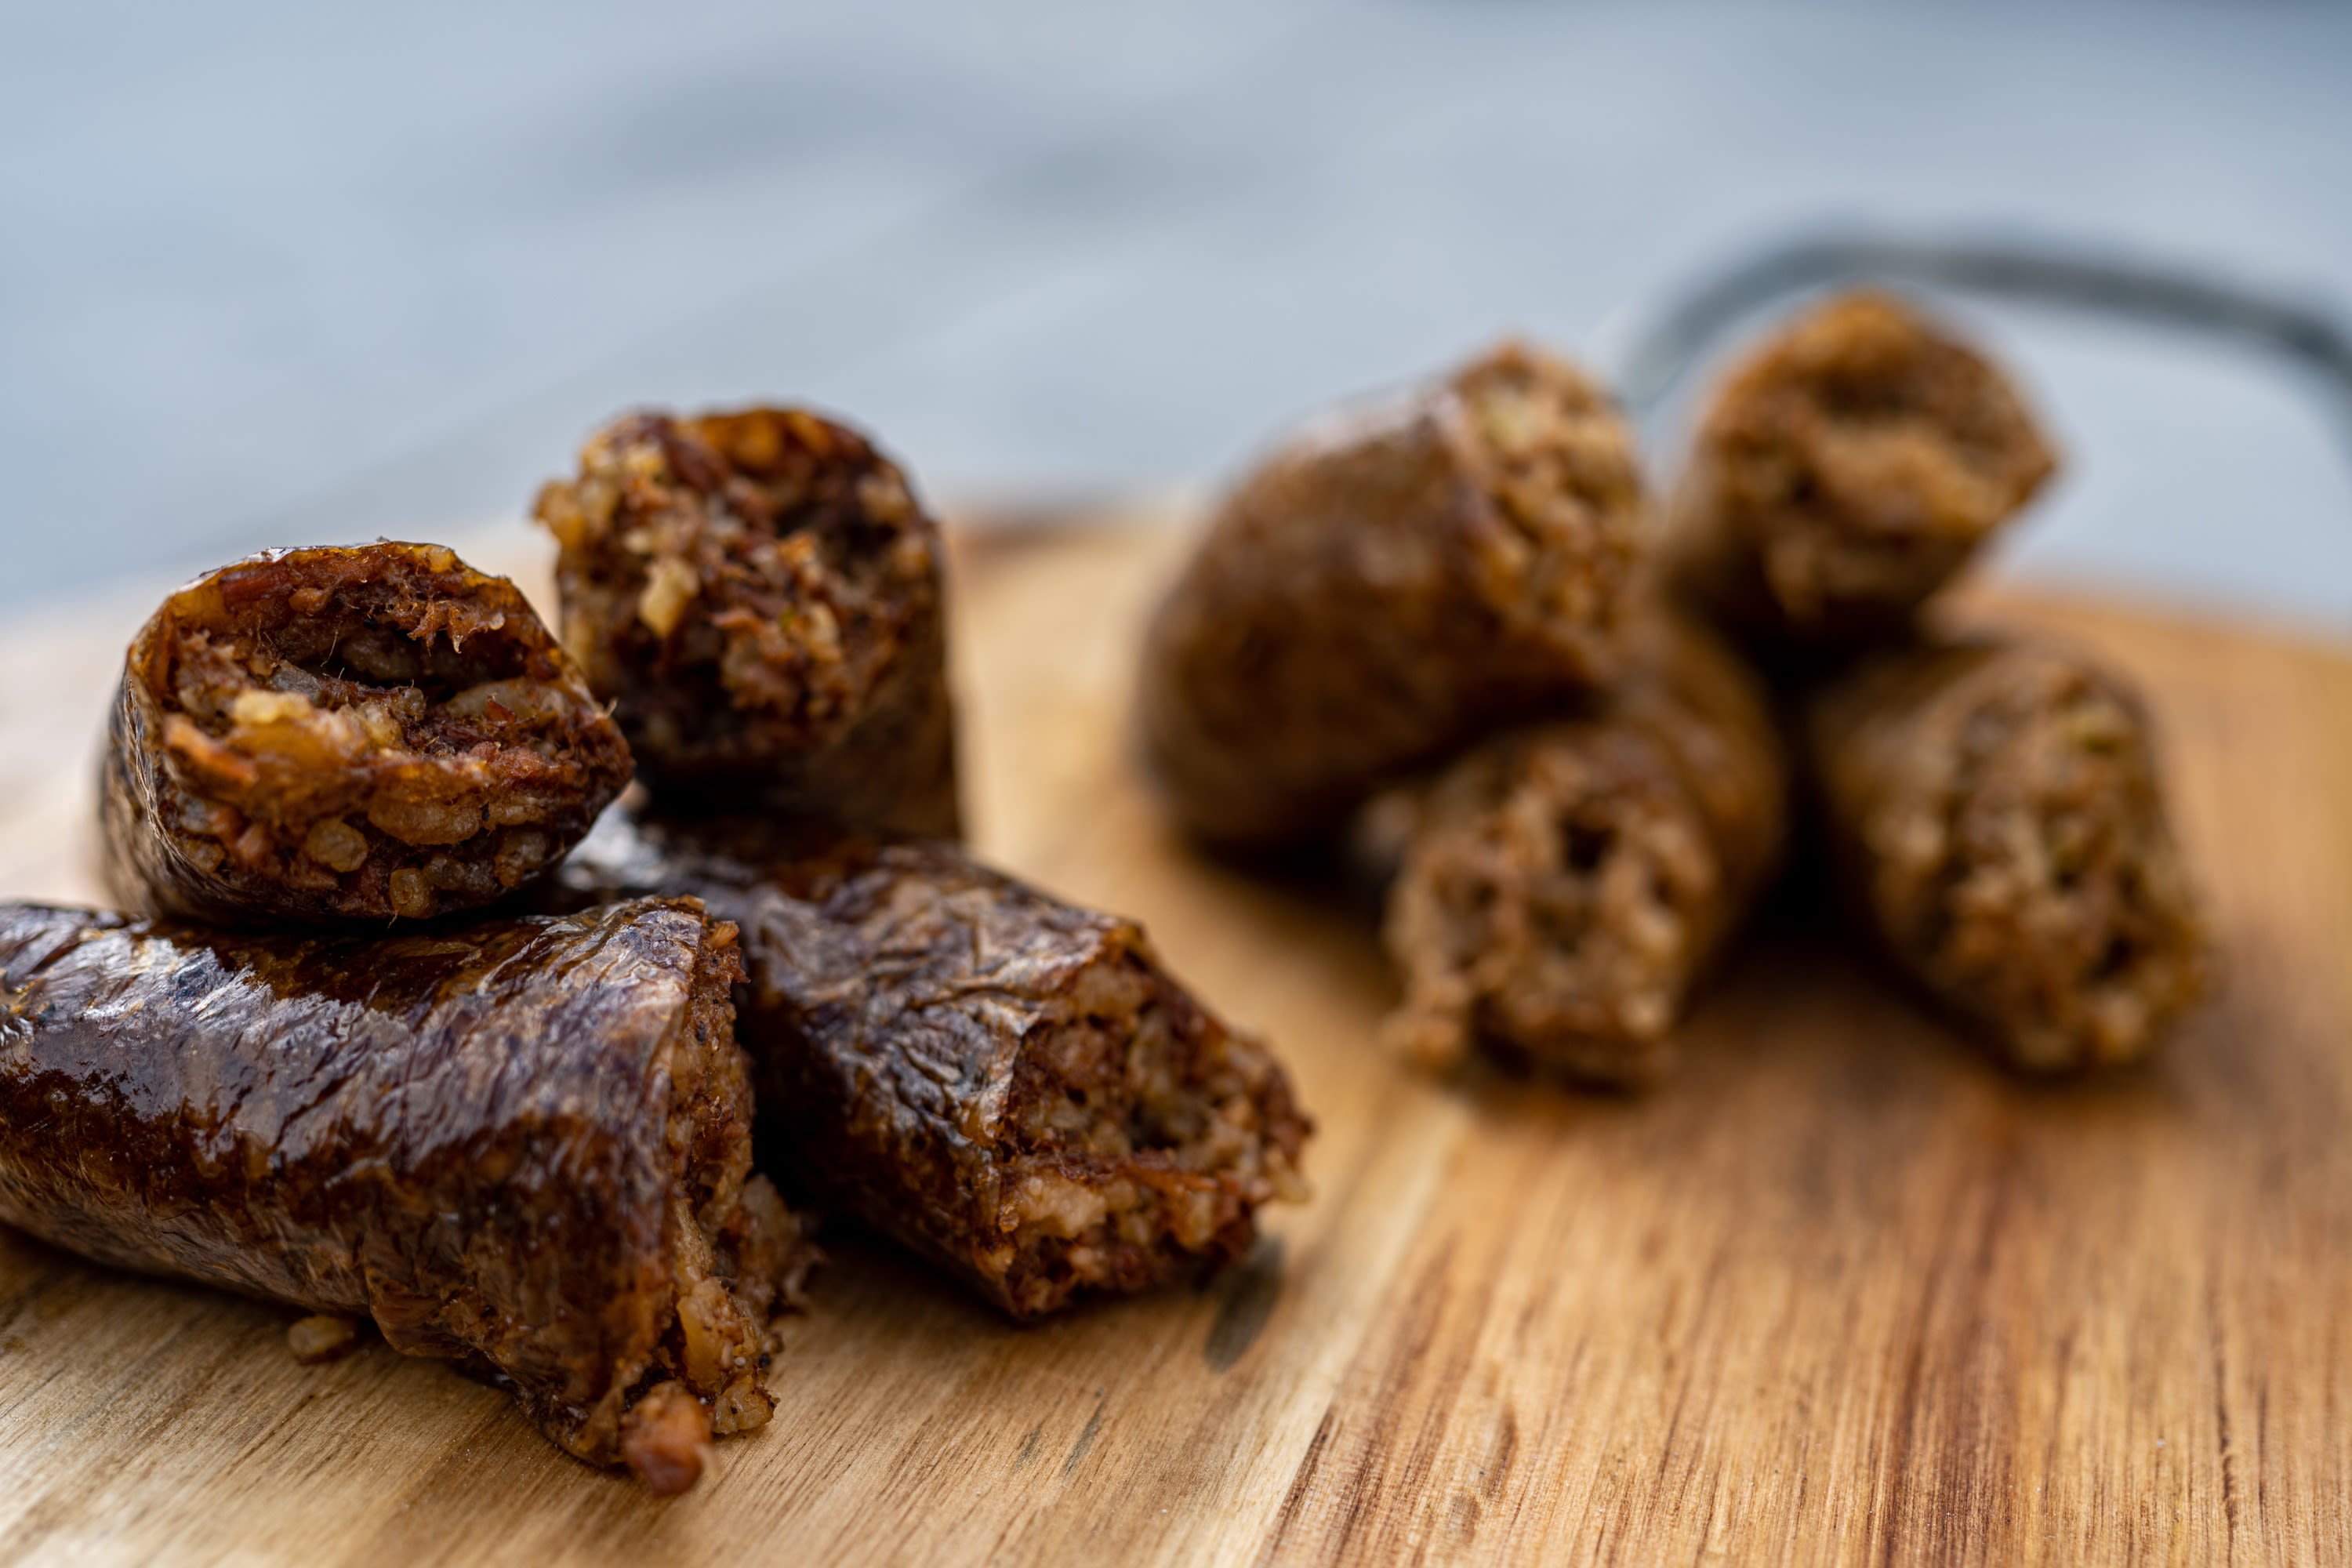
x=517 y=1131
x=1440 y=633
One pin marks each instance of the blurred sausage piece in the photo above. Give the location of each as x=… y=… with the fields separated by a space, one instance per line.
x=1012 y=1087
x=1386 y=586
x=348 y=733
x=1845 y=470
x=523 y=1147
x=1995 y=817
x=759 y=595
x=1563 y=886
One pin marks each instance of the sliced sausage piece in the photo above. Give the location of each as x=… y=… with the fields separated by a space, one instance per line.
x=524 y=1147
x=1012 y=1087
x=364 y=733
x=1385 y=587
x=1845 y=470
x=1999 y=831
x=759 y=595
x=1562 y=887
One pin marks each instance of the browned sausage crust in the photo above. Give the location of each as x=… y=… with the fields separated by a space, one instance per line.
x=523 y=1147
x=759 y=595
x=1844 y=471
x=1562 y=886
x=1009 y=1086
x=354 y=734
x=1386 y=586
x=1995 y=814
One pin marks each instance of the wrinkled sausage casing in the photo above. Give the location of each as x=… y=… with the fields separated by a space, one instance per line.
x=1007 y=1085
x=759 y=594
x=348 y=733
x=1384 y=588
x=1995 y=815
x=523 y=1147
x=1843 y=472
x=1560 y=887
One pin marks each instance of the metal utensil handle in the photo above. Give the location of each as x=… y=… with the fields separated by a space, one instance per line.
x=1660 y=351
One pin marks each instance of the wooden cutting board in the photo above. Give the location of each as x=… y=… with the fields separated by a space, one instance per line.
x=1839 y=1292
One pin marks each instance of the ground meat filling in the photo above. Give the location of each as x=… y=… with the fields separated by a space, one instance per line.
x=1558 y=463
x=2054 y=904
x=738 y=1256
x=1142 y=1136
x=1864 y=454
x=1550 y=902
x=369 y=726
x=739 y=583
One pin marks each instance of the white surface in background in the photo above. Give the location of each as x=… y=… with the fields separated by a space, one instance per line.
x=274 y=274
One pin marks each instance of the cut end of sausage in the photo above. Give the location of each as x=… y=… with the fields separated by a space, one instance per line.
x=363 y=732
x=1855 y=461
x=1554 y=901
x=1144 y=1135
x=2031 y=874
x=738 y=1256
x=1558 y=465
x=740 y=584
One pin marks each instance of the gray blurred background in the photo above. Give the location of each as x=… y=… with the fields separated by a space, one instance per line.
x=279 y=273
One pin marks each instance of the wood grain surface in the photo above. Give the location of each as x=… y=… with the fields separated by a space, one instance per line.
x=1839 y=1292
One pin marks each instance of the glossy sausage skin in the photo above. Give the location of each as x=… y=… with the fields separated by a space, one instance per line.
x=1562 y=886
x=1999 y=830
x=1843 y=472
x=354 y=734
x=759 y=594
x=521 y=1147
x=1010 y=1086
x=1383 y=588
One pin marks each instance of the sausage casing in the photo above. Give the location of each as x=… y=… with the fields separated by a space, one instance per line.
x=759 y=595
x=351 y=733
x=1012 y=1087
x=523 y=1147
x=1383 y=588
